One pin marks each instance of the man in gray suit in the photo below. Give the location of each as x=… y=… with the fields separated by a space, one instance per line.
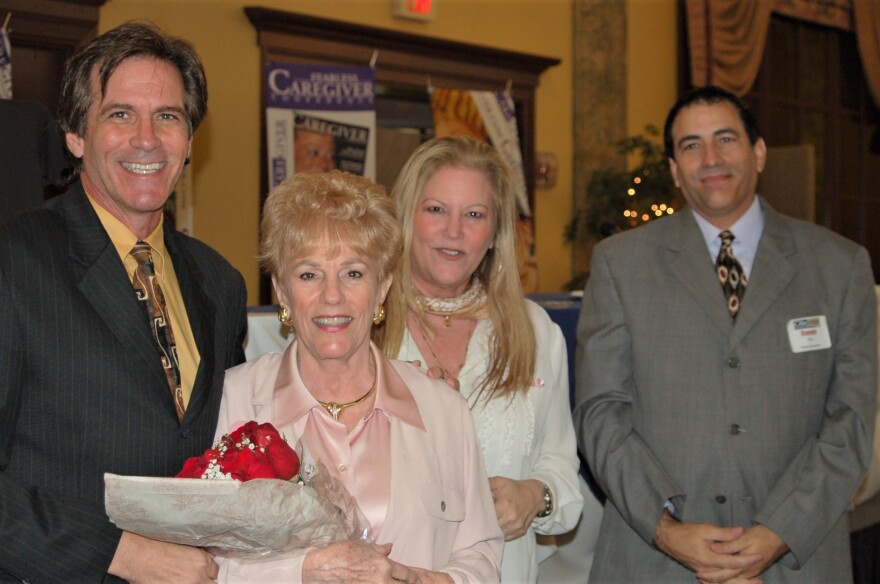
x=729 y=427
x=84 y=386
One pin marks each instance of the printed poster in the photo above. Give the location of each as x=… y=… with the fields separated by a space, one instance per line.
x=490 y=116
x=319 y=118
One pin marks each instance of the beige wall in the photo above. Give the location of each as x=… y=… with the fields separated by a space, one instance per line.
x=226 y=148
x=652 y=44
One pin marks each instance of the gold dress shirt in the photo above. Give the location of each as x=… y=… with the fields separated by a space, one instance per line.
x=123 y=240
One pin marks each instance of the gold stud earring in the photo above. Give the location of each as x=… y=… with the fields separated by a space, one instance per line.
x=379 y=317
x=284 y=317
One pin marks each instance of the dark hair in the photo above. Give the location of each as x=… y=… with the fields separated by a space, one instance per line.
x=108 y=51
x=709 y=94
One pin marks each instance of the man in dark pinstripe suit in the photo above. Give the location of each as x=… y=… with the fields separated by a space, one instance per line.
x=82 y=388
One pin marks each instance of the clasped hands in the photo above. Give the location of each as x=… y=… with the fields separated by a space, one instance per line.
x=729 y=555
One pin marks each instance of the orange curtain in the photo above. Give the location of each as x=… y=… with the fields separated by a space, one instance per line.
x=866 y=14
x=726 y=40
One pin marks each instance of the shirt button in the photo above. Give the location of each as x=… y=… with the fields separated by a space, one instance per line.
x=733 y=363
x=342 y=468
x=443 y=505
x=720 y=499
x=735 y=429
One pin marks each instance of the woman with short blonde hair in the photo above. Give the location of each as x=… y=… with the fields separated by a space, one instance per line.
x=403 y=445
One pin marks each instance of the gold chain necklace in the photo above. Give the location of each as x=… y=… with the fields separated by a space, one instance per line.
x=334 y=409
x=437 y=359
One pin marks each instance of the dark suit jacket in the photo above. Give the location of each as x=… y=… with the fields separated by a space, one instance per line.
x=32 y=154
x=82 y=391
x=677 y=402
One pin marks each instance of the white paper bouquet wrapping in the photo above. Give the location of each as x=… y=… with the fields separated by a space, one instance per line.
x=232 y=518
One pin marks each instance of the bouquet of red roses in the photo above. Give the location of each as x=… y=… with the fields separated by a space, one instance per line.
x=253 y=451
x=255 y=501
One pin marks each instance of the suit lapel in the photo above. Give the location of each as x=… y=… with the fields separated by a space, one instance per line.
x=688 y=259
x=102 y=280
x=771 y=273
x=200 y=311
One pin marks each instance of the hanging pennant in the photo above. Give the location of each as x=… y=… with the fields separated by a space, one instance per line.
x=490 y=116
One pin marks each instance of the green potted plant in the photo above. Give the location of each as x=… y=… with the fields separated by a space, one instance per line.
x=616 y=200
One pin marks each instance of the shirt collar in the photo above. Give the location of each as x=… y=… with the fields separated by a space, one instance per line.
x=124 y=240
x=291 y=399
x=747 y=230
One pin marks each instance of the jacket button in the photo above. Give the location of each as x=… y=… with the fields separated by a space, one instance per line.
x=720 y=499
x=733 y=363
x=735 y=429
x=443 y=506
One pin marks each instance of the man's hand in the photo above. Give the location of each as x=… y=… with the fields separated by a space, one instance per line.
x=690 y=544
x=758 y=540
x=139 y=559
x=516 y=504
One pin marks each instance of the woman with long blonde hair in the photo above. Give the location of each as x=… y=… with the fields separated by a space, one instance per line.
x=457 y=306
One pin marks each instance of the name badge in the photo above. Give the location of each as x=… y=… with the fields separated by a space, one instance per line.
x=809 y=333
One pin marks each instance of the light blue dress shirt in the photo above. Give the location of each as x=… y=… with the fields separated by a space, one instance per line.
x=747 y=234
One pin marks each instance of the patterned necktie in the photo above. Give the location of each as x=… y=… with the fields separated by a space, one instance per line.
x=146 y=286
x=730 y=274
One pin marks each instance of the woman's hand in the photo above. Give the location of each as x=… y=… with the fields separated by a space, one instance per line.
x=350 y=562
x=516 y=504
x=421 y=576
x=440 y=373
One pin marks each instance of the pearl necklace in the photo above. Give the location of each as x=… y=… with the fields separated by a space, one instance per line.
x=471 y=305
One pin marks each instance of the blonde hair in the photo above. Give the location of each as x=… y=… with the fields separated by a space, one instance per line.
x=512 y=341
x=336 y=208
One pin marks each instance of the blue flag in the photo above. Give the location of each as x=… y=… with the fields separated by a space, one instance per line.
x=5 y=65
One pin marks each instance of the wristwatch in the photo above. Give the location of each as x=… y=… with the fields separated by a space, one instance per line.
x=548 y=503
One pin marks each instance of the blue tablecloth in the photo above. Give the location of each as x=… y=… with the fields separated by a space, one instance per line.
x=564 y=309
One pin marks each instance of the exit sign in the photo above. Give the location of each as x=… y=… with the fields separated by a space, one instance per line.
x=415 y=9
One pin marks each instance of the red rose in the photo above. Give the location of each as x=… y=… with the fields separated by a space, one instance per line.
x=193 y=468
x=241 y=433
x=264 y=434
x=251 y=451
x=247 y=464
x=283 y=459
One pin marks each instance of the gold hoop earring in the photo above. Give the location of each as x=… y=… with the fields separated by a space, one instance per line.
x=284 y=317
x=379 y=317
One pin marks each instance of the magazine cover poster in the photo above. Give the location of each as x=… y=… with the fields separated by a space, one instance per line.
x=319 y=118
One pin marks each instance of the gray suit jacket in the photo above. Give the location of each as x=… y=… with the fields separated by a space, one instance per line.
x=82 y=391
x=676 y=402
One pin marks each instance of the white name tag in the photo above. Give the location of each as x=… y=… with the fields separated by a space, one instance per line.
x=809 y=333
